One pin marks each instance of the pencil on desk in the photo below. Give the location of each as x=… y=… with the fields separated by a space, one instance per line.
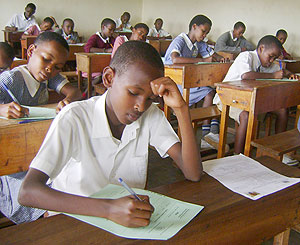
x=111 y=45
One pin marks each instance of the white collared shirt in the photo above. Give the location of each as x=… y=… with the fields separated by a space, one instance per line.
x=245 y=62
x=119 y=22
x=19 y=20
x=81 y=156
x=161 y=33
x=234 y=39
x=104 y=40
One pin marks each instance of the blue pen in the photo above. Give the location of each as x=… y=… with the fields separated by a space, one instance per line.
x=29 y=121
x=280 y=64
x=12 y=95
x=129 y=190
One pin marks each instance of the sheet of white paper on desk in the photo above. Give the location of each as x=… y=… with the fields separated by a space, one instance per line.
x=76 y=44
x=246 y=176
x=170 y=215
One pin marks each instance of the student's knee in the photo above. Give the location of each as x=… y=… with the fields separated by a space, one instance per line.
x=211 y=94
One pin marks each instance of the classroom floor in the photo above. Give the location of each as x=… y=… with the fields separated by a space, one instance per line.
x=162 y=171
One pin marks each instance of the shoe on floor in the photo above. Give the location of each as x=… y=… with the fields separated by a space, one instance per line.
x=213 y=139
x=288 y=160
x=205 y=145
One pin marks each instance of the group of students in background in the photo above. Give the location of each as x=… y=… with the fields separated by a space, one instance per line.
x=98 y=130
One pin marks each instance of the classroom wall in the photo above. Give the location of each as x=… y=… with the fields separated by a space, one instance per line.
x=87 y=14
x=260 y=16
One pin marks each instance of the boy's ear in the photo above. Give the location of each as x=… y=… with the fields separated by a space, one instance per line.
x=261 y=48
x=30 y=50
x=107 y=76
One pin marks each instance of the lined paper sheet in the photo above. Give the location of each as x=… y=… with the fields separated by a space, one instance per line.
x=170 y=215
x=37 y=113
x=246 y=176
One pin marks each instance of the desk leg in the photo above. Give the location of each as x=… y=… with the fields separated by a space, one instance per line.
x=89 y=85
x=282 y=238
x=80 y=80
x=251 y=128
x=297 y=115
x=223 y=130
x=23 y=53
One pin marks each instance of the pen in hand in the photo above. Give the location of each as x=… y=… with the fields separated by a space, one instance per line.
x=280 y=64
x=129 y=189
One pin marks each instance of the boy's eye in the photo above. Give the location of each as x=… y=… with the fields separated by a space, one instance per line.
x=132 y=93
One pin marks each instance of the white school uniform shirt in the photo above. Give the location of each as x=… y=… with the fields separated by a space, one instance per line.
x=19 y=20
x=81 y=156
x=119 y=22
x=245 y=62
x=161 y=33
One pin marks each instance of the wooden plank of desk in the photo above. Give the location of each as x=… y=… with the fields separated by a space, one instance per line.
x=18 y=62
x=20 y=143
x=12 y=36
x=228 y=55
x=26 y=41
x=74 y=48
x=293 y=66
x=228 y=218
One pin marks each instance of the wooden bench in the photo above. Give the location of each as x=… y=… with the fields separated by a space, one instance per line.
x=278 y=144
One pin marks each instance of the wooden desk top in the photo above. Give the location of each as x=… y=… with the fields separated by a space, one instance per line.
x=228 y=218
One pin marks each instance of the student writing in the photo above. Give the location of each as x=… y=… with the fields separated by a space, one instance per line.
x=108 y=138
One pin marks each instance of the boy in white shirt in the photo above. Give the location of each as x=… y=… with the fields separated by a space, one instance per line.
x=94 y=142
x=157 y=32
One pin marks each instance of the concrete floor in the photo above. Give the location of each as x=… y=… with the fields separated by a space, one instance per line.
x=162 y=171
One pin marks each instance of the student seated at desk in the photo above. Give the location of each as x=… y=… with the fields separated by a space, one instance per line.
x=20 y=22
x=102 y=42
x=123 y=22
x=36 y=29
x=6 y=56
x=29 y=83
x=108 y=138
x=157 y=32
x=67 y=31
x=257 y=64
x=139 y=33
x=234 y=41
x=282 y=36
x=190 y=48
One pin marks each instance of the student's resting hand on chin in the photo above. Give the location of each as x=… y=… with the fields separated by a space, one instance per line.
x=130 y=212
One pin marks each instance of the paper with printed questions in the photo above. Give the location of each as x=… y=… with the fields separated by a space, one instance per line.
x=170 y=215
x=246 y=176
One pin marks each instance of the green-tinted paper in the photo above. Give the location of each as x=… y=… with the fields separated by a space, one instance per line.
x=204 y=63
x=170 y=215
x=38 y=113
x=279 y=80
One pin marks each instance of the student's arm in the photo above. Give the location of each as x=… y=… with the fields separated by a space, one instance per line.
x=71 y=93
x=126 y=211
x=260 y=75
x=11 y=28
x=185 y=154
x=91 y=46
x=221 y=44
x=176 y=59
x=13 y=110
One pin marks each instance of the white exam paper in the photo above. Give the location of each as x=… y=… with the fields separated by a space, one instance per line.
x=246 y=176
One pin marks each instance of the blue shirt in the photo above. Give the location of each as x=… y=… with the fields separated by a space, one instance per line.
x=25 y=88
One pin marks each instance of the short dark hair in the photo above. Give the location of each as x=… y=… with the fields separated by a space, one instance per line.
x=159 y=19
x=268 y=41
x=133 y=52
x=8 y=50
x=141 y=25
x=68 y=19
x=31 y=5
x=127 y=14
x=107 y=21
x=281 y=31
x=238 y=25
x=49 y=36
x=199 y=20
x=49 y=20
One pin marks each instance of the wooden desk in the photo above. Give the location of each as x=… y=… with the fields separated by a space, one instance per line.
x=26 y=41
x=75 y=48
x=195 y=75
x=20 y=143
x=228 y=218
x=122 y=33
x=293 y=66
x=89 y=63
x=18 y=62
x=256 y=97
x=161 y=45
x=228 y=55
x=14 y=39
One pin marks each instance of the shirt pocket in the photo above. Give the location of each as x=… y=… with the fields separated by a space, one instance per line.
x=139 y=165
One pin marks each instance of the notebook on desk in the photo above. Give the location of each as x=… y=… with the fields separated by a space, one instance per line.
x=38 y=113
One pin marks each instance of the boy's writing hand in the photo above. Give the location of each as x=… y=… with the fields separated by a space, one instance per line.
x=166 y=88
x=278 y=74
x=293 y=76
x=128 y=211
x=62 y=104
x=13 y=110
